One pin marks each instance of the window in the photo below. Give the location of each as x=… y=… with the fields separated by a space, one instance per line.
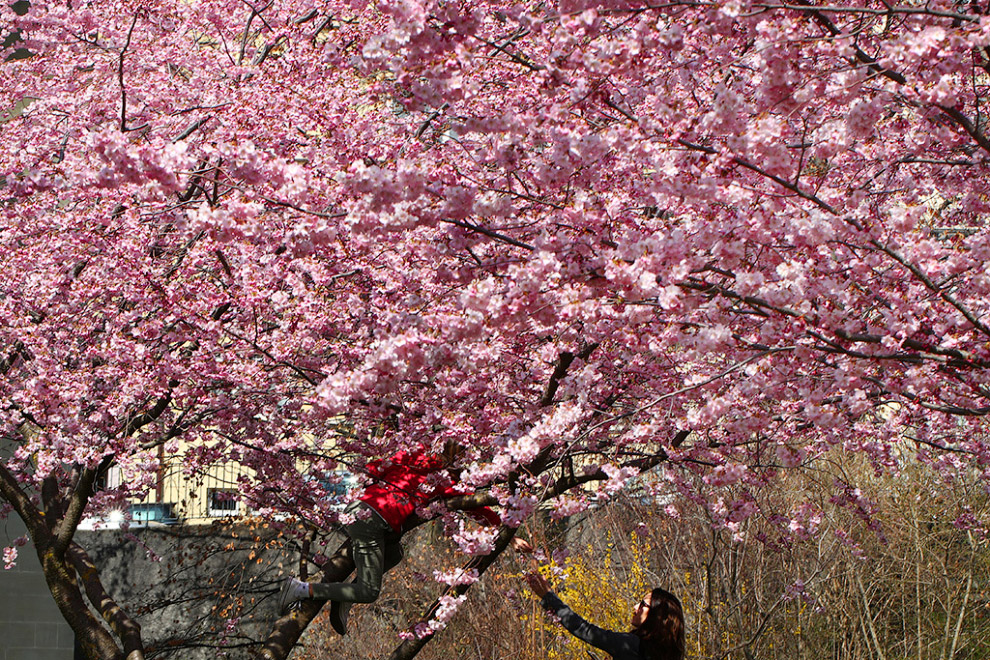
x=223 y=503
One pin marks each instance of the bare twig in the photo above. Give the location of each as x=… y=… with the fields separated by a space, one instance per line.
x=190 y=129
x=120 y=81
x=490 y=233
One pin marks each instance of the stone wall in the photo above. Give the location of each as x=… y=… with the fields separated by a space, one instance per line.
x=199 y=591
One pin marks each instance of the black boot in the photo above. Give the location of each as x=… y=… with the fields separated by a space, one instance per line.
x=339 y=613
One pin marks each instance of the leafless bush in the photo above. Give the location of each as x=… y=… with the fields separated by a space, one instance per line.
x=909 y=580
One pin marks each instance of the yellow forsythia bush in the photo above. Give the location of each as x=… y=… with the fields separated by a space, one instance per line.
x=599 y=585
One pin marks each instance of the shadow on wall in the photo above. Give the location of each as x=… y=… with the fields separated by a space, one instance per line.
x=198 y=591
x=195 y=589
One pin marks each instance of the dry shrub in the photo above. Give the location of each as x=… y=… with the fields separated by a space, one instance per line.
x=911 y=583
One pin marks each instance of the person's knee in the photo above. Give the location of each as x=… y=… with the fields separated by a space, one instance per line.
x=367 y=593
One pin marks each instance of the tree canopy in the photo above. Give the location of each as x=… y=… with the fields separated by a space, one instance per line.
x=579 y=240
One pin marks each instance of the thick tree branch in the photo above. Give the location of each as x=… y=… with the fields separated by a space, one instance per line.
x=190 y=129
x=127 y=629
x=120 y=80
x=931 y=286
x=95 y=640
x=298 y=370
x=818 y=13
x=409 y=648
x=784 y=183
x=491 y=234
x=33 y=518
x=950 y=356
x=515 y=57
x=560 y=372
x=74 y=510
x=136 y=421
x=868 y=11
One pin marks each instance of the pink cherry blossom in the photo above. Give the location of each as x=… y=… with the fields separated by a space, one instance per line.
x=578 y=240
x=9 y=557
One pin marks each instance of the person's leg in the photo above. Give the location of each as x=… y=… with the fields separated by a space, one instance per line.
x=340 y=611
x=368 y=549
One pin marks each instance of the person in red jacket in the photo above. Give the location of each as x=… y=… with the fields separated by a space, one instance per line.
x=401 y=484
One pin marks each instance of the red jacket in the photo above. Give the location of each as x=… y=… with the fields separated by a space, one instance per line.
x=409 y=480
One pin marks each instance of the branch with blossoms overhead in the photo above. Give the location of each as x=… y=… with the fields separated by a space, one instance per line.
x=299 y=237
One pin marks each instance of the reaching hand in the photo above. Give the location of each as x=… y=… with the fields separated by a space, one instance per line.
x=539 y=584
x=520 y=545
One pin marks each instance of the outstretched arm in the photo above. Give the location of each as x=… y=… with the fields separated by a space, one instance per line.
x=618 y=645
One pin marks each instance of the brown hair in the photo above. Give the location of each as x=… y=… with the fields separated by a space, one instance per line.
x=661 y=635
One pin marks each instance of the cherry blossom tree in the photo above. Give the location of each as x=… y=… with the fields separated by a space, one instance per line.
x=581 y=240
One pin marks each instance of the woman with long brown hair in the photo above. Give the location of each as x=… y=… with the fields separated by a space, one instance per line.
x=657 y=624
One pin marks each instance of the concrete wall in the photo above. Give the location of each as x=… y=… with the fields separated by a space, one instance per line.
x=211 y=585
x=208 y=589
x=31 y=627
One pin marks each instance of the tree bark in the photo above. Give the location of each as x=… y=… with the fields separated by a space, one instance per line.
x=289 y=628
x=94 y=639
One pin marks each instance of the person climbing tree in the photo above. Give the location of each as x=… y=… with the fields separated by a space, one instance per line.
x=400 y=485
